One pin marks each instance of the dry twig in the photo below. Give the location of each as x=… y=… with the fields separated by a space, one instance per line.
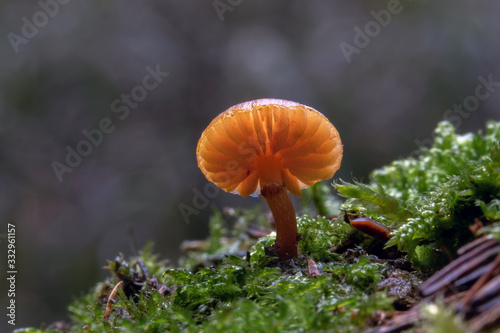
x=111 y=300
x=313 y=269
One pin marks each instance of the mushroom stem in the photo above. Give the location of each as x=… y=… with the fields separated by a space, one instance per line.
x=278 y=199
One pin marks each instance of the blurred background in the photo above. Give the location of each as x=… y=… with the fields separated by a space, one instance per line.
x=153 y=74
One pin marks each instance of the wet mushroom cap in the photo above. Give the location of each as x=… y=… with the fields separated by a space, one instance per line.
x=263 y=142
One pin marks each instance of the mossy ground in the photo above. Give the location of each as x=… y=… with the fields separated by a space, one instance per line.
x=229 y=284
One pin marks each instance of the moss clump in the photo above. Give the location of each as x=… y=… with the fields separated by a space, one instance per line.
x=250 y=293
x=238 y=296
x=320 y=235
x=433 y=199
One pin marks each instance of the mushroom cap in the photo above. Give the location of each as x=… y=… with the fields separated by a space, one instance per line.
x=266 y=142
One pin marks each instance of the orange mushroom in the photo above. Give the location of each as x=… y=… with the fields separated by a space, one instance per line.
x=270 y=147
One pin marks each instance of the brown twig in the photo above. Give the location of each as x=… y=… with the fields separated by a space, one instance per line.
x=480 y=283
x=313 y=269
x=111 y=300
x=460 y=267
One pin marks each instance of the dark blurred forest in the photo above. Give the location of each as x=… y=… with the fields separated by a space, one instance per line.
x=102 y=104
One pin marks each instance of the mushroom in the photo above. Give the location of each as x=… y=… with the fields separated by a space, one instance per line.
x=270 y=147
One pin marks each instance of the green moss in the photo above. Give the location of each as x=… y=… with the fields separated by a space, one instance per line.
x=431 y=200
x=320 y=235
x=237 y=296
